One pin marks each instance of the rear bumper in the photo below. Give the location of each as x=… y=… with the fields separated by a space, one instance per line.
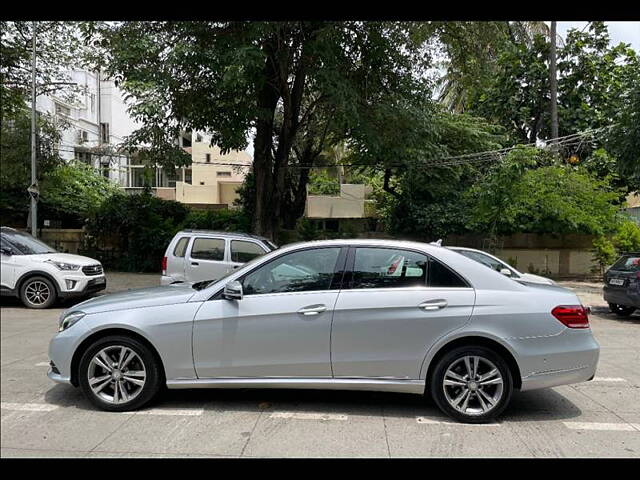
x=624 y=297
x=570 y=357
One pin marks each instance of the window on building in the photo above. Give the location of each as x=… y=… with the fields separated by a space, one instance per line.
x=82 y=156
x=208 y=158
x=62 y=110
x=223 y=174
x=187 y=176
x=104 y=133
x=198 y=138
x=92 y=100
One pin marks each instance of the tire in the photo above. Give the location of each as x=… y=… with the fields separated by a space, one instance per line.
x=38 y=292
x=622 y=311
x=109 y=385
x=479 y=407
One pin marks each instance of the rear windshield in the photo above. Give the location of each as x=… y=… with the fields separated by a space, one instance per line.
x=627 y=263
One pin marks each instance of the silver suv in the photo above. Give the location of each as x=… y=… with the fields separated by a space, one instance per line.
x=199 y=255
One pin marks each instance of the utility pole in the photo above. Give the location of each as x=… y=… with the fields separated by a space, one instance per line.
x=33 y=189
x=553 y=82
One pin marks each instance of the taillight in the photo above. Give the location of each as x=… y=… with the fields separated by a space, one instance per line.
x=573 y=316
x=164 y=265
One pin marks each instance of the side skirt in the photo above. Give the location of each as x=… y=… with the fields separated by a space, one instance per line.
x=326 y=383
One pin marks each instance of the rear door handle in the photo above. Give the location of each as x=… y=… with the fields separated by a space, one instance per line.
x=312 y=309
x=195 y=263
x=432 y=305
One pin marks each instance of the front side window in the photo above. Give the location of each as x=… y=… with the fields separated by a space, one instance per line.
x=302 y=271
x=181 y=247
x=25 y=244
x=385 y=267
x=208 y=249
x=242 y=252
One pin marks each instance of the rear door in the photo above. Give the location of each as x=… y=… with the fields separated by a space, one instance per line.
x=206 y=258
x=395 y=303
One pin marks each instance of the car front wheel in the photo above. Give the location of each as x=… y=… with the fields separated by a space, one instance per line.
x=119 y=373
x=471 y=384
x=38 y=292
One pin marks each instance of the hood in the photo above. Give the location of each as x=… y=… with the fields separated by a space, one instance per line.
x=138 y=298
x=531 y=278
x=66 y=258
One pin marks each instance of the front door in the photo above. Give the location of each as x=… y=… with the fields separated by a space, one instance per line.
x=282 y=325
x=389 y=314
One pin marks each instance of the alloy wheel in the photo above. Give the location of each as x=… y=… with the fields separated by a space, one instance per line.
x=473 y=385
x=37 y=292
x=116 y=374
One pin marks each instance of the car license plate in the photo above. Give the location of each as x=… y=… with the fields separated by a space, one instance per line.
x=616 y=281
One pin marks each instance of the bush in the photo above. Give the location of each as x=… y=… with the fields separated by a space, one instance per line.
x=627 y=238
x=604 y=252
x=223 y=220
x=143 y=226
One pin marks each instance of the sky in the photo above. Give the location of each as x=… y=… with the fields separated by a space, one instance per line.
x=627 y=32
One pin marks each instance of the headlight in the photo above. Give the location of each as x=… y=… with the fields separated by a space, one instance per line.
x=66 y=266
x=69 y=320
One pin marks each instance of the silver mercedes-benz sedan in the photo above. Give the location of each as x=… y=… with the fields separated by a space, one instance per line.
x=341 y=314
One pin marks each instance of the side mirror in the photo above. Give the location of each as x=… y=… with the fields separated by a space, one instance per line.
x=505 y=271
x=232 y=291
x=6 y=251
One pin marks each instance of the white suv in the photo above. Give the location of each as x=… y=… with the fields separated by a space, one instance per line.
x=38 y=275
x=199 y=255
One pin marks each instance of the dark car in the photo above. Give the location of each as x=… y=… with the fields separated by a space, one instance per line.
x=622 y=284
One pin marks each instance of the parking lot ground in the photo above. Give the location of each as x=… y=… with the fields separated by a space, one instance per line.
x=41 y=419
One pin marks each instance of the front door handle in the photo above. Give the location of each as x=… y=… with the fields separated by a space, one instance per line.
x=432 y=305
x=195 y=264
x=312 y=309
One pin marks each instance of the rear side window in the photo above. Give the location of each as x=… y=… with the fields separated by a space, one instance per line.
x=442 y=276
x=181 y=247
x=388 y=268
x=208 y=249
x=242 y=251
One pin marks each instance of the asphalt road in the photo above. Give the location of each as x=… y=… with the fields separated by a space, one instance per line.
x=600 y=418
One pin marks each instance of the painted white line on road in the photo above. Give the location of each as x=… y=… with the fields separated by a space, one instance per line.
x=430 y=421
x=608 y=379
x=308 y=416
x=187 y=412
x=619 y=427
x=42 y=364
x=28 y=407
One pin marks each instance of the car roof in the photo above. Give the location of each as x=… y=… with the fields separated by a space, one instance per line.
x=223 y=234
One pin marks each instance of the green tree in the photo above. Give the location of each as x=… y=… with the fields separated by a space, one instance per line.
x=270 y=77
x=75 y=189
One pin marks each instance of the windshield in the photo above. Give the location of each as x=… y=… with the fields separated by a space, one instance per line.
x=26 y=244
x=486 y=260
x=627 y=263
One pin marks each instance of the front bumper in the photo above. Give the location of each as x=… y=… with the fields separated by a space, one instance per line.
x=61 y=349
x=78 y=285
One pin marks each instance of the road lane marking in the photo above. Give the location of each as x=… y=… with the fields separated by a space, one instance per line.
x=188 y=412
x=28 y=407
x=608 y=379
x=309 y=416
x=430 y=421
x=620 y=427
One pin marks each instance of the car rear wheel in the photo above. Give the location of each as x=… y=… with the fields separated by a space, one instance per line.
x=621 y=310
x=119 y=374
x=471 y=384
x=38 y=292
